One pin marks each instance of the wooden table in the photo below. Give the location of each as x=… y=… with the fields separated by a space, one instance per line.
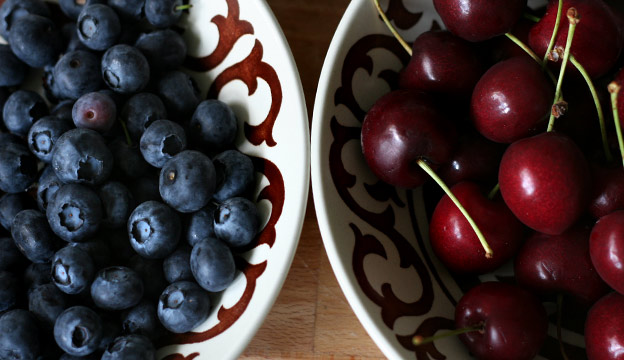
x=311 y=318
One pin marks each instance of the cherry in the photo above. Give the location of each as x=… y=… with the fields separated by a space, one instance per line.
x=550 y=264
x=607 y=193
x=475 y=159
x=401 y=128
x=478 y=20
x=545 y=182
x=597 y=41
x=606 y=246
x=604 y=329
x=454 y=241
x=514 y=322
x=511 y=100
x=441 y=63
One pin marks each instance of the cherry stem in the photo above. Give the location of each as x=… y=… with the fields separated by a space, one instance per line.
x=530 y=52
x=573 y=18
x=125 y=130
x=530 y=17
x=393 y=30
x=594 y=93
x=419 y=340
x=553 y=38
x=493 y=192
x=184 y=7
x=488 y=250
x=614 y=89
x=559 y=316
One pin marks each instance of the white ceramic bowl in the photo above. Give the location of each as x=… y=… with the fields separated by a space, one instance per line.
x=376 y=236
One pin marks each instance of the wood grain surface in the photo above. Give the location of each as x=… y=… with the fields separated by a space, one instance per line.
x=311 y=318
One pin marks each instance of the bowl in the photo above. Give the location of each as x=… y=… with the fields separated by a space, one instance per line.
x=238 y=54
x=375 y=235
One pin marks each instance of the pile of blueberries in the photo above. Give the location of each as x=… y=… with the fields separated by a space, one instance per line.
x=123 y=202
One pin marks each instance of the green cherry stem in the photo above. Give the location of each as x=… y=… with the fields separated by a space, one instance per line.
x=530 y=17
x=553 y=38
x=125 y=130
x=419 y=340
x=493 y=192
x=393 y=30
x=488 y=250
x=559 y=316
x=594 y=93
x=614 y=90
x=573 y=18
x=184 y=7
x=530 y=52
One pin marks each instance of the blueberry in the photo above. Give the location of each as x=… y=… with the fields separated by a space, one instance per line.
x=98 y=249
x=200 y=224
x=161 y=141
x=63 y=110
x=12 y=10
x=177 y=266
x=128 y=160
x=21 y=110
x=151 y=272
x=128 y=9
x=81 y=156
x=187 y=181
x=130 y=347
x=163 y=13
x=98 y=27
x=165 y=50
x=72 y=270
x=19 y=335
x=125 y=69
x=18 y=166
x=96 y=111
x=118 y=203
x=237 y=221
x=11 y=205
x=212 y=264
x=179 y=93
x=36 y=40
x=213 y=125
x=10 y=256
x=111 y=329
x=12 y=70
x=72 y=8
x=183 y=306
x=77 y=73
x=33 y=237
x=71 y=38
x=9 y=290
x=47 y=302
x=143 y=320
x=47 y=187
x=78 y=331
x=154 y=230
x=235 y=174
x=37 y=274
x=140 y=111
x=116 y=288
x=43 y=135
x=75 y=213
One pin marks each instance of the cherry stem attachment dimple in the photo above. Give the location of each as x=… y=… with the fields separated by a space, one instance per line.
x=530 y=52
x=125 y=131
x=393 y=30
x=184 y=7
x=488 y=250
x=573 y=18
x=553 y=38
x=594 y=93
x=419 y=340
x=614 y=90
x=559 y=316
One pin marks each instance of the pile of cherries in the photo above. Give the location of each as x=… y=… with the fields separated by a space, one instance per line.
x=514 y=123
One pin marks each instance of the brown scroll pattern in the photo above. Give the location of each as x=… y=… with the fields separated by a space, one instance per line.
x=232 y=28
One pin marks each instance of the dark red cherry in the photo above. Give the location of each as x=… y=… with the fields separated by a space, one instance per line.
x=545 y=182
x=597 y=40
x=512 y=100
x=604 y=329
x=441 y=63
x=456 y=244
x=607 y=192
x=514 y=322
x=401 y=128
x=606 y=246
x=478 y=20
x=549 y=264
